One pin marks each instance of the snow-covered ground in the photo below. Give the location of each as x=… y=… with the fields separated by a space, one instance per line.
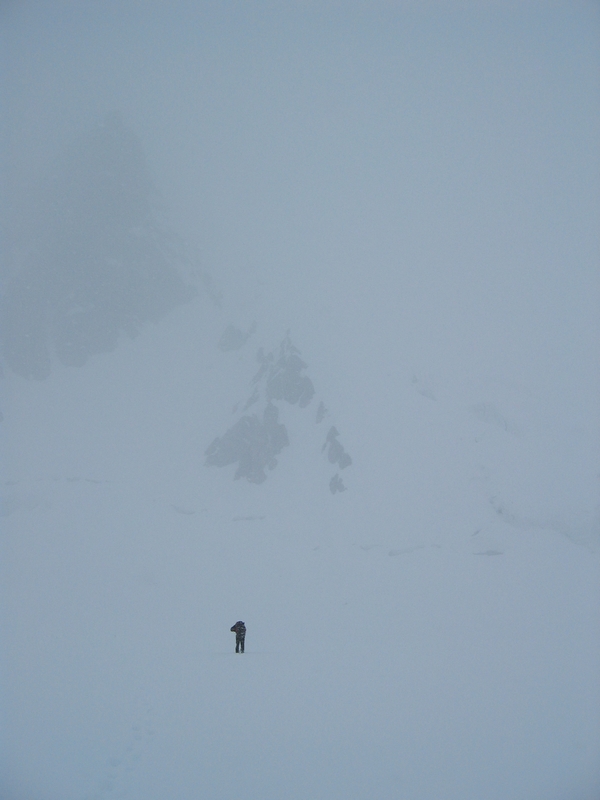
x=427 y=632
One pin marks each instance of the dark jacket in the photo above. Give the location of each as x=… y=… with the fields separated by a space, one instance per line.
x=239 y=629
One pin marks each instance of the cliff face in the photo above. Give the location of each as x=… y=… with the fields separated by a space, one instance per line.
x=93 y=264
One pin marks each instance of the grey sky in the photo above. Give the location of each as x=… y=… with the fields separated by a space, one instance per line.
x=434 y=150
x=411 y=189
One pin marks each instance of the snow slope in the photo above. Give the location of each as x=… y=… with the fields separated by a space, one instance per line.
x=430 y=632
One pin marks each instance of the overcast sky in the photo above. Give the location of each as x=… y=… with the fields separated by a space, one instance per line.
x=439 y=151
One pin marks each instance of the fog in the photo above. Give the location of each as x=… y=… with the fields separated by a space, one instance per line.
x=299 y=326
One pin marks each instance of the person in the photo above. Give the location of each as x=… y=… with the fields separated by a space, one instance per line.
x=240 y=635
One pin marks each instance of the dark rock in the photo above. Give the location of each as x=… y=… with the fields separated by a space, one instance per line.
x=321 y=412
x=233 y=338
x=336 y=484
x=336 y=453
x=252 y=444
x=97 y=264
x=284 y=380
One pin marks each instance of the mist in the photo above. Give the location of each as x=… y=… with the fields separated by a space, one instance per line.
x=299 y=326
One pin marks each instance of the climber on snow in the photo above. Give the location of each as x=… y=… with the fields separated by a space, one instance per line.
x=240 y=634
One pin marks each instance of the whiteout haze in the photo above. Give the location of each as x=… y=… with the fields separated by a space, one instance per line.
x=300 y=327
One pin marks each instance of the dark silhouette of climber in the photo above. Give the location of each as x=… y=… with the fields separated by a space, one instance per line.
x=240 y=635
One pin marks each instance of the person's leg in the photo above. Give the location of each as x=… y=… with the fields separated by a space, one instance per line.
x=242 y=643
x=237 y=644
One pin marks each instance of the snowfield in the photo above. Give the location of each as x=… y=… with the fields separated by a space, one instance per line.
x=424 y=631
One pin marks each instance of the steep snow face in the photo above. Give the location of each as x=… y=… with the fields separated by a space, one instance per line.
x=423 y=632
